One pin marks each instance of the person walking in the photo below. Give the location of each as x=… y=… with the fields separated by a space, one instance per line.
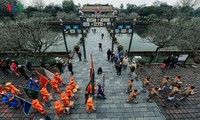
x=130 y=86
x=187 y=92
x=100 y=47
x=176 y=82
x=174 y=92
x=101 y=91
x=102 y=35
x=163 y=83
x=59 y=106
x=79 y=55
x=90 y=105
x=133 y=96
x=145 y=84
x=46 y=95
x=153 y=94
x=109 y=53
x=55 y=85
x=39 y=106
x=12 y=89
x=70 y=67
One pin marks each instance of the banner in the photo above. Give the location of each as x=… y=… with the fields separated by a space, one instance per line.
x=49 y=74
x=92 y=73
x=25 y=105
x=32 y=94
x=43 y=80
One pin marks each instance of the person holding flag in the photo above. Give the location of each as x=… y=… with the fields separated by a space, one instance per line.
x=39 y=106
x=33 y=84
x=43 y=79
x=101 y=91
x=46 y=95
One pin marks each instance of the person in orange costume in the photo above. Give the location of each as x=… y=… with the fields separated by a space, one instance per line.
x=54 y=84
x=60 y=108
x=66 y=100
x=12 y=89
x=73 y=84
x=3 y=91
x=70 y=92
x=90 y=105
x=59 y=78
x=38 y=106
x=46 y=95
x=89 y=91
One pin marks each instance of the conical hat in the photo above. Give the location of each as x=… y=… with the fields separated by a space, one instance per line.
x=8 y=83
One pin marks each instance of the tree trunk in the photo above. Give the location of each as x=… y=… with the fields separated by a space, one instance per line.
x=156 y=52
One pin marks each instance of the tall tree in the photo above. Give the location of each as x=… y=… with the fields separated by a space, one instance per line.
x=188 y=3
x=29 y=35
x=39 y=4
x=68 y=6
x=162 y=35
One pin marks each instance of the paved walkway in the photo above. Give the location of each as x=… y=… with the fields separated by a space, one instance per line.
x=115 y=106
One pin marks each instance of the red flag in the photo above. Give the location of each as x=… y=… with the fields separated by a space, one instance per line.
x=91 y=67
x=92 y=74
x=9 y=7
x=43 y=80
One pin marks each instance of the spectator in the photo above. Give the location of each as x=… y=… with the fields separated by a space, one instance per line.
x=70 y=67
x=22 y=71
x=59 y=66
x=102 y=35
x=13 y=67
x=42 y=64
x=79 y=55
x=29 y=65
x=109 y=53
x=100 y=70
x=100 y=47
x=125 y=62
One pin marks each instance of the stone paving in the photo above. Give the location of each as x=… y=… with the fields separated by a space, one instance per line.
x=189 y=108
x=115 y=106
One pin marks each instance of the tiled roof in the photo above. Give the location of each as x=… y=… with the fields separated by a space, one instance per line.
x=103 y=8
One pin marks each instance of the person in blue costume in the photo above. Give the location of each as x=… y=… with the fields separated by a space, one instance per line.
x=10 y=100
x=101 y=91
x=33 y=84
